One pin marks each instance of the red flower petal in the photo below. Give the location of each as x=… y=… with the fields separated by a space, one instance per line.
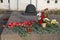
x=10 y=24
x=40 y=21
x=5 y=19
x=19 y=24
x=22 y=24
x=29 y=23
x=2 y=26
x=14 y=23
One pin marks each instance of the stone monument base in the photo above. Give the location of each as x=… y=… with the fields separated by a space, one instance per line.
x=31 y=37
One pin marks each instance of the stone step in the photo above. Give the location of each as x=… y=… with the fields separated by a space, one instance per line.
x=31 y=37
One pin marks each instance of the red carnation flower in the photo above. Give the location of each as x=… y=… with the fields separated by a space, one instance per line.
x=14 y=23
x=23 y=24
x=11 y=25
x=30 y=23
x=17 y=23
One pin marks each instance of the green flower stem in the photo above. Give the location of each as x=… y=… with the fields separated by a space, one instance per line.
x=21 y=31
x=35 y=30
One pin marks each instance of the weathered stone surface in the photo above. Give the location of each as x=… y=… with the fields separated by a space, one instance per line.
x=54 y=16
x=32 y=36
x=17 y=17
x=2 y=16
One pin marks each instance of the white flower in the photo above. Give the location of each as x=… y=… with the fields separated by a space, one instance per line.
x=39 y=18
x=54 y=21
x=46 y=19
x=39 y=14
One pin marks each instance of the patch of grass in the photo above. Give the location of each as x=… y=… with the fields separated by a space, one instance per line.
x=53 y=12
x=1 y=11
